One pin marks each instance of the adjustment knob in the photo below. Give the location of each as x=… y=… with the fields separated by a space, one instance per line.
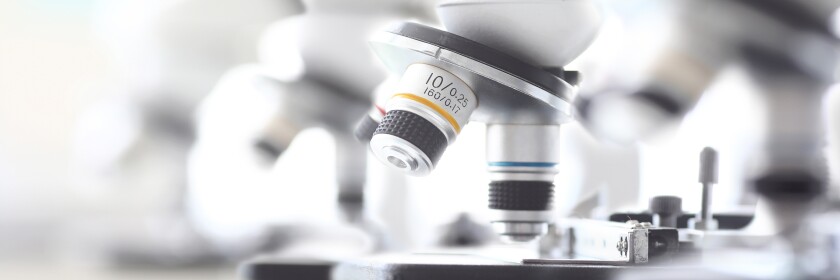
x=666 y=209
x=708 y=166
x=365 y=129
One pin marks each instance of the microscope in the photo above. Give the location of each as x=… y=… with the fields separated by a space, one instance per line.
x=315 y=71
x=499 y=62
x=479 y=71
x=131 y=146
x=503 y=63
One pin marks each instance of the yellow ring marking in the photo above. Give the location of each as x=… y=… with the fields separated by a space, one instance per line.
x=432 y=105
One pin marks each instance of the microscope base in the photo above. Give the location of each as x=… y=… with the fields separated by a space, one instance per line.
x=462 y=266
x=274 y=268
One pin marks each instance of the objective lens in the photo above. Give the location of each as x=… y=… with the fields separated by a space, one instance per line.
x=522 y=163
x=422 y=118
x=397 y=162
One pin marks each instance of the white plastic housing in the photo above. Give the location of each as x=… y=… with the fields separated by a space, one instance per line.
x=546 y=33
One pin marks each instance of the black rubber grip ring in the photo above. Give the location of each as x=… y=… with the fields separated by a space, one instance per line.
x=790 y=186
x=792 y=13
x=365 y=129
x=665 y=204
x=416 y=130
x=661 y=99
x=348 y=197
x=521 y=195
x=268 y=149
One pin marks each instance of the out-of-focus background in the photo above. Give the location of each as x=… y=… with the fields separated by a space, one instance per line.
x=51 y=69
x=98 y=105
x=59 y=68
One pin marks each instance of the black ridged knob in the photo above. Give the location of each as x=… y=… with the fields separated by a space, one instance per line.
x=416 y=130
x=365 y=129
x=268 y=150
x=521 y=195
x=790 y=186
x=667 y=208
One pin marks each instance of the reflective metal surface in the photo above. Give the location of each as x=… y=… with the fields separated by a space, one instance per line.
x=500 y=94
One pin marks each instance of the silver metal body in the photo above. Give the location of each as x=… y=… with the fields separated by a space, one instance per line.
x=510 y=150
x=616 y=243
x=523 y=144
x=401 y=154
x=520 y=231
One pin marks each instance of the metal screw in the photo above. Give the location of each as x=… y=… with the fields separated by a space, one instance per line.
x=708 y=177
x=622 y=246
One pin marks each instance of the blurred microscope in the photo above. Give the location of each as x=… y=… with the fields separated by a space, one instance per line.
x=132 y=145
x=315 y=71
